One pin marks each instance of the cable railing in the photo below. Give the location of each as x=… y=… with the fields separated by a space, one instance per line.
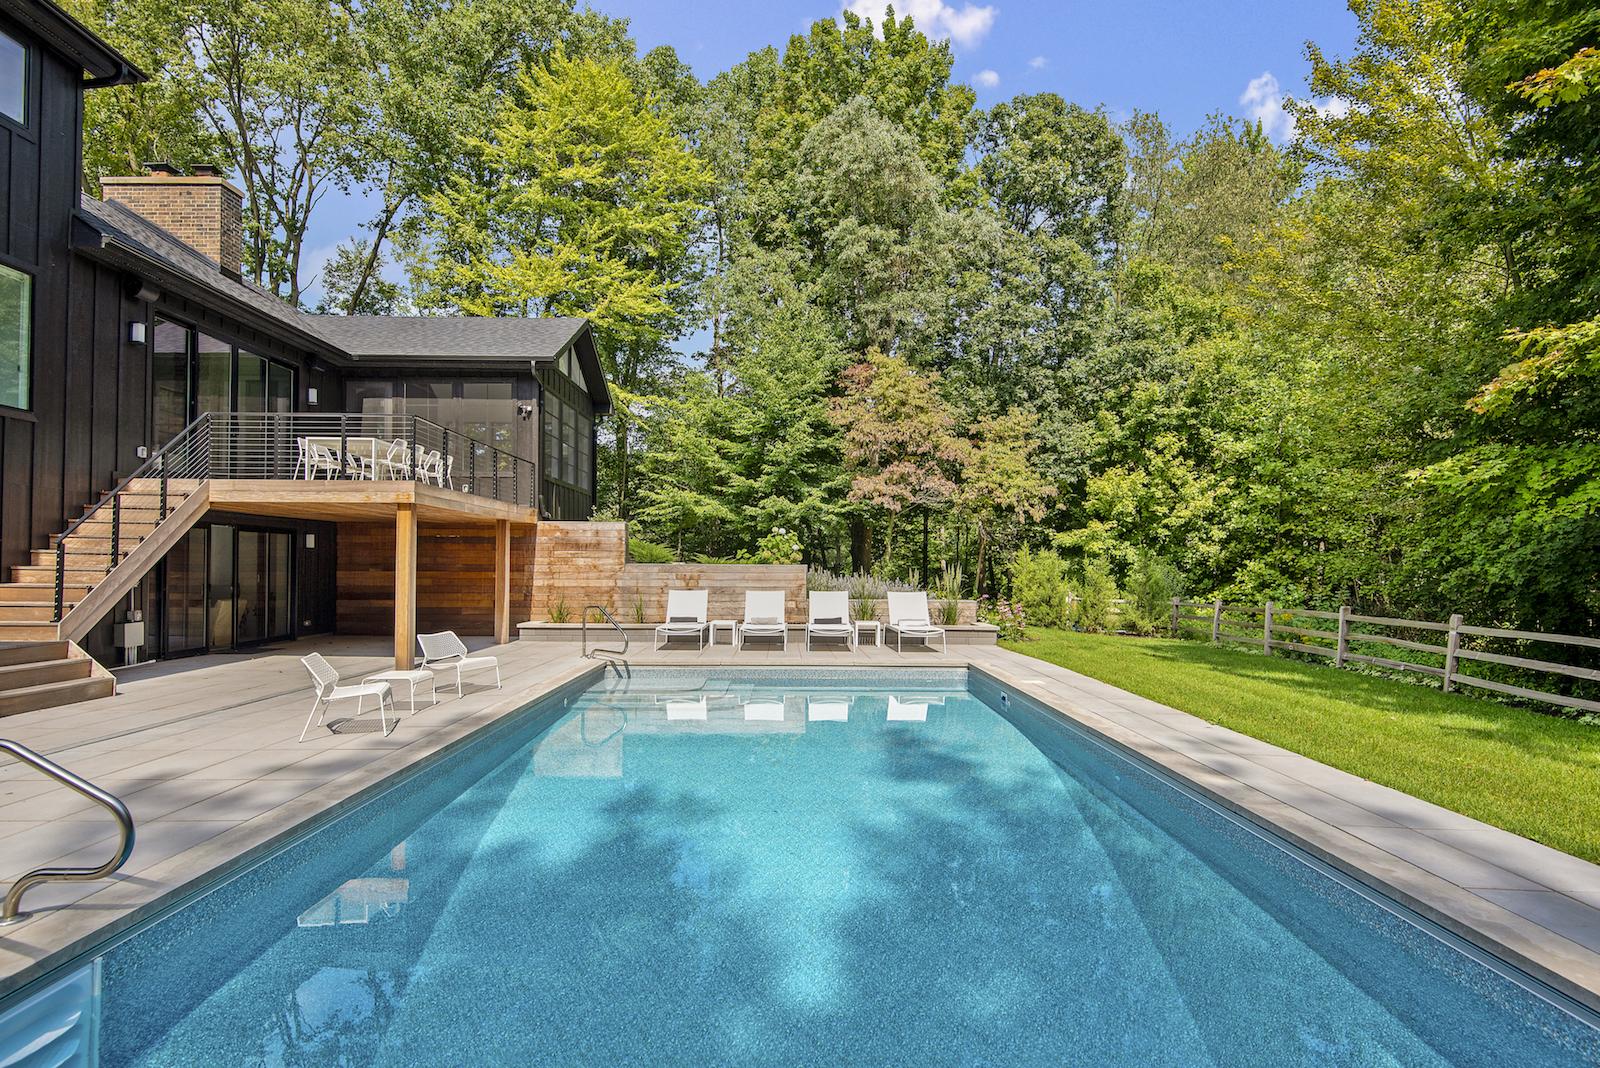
x=313 y=447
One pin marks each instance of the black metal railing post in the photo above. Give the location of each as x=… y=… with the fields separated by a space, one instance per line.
x=116 y=527
x=61 y=578
x=411 y=446
x=344 y=444
x=161 y=509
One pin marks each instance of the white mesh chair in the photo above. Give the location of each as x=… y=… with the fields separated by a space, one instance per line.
x=763 y=618
x=830 y=618
x=444 y=651
x=908 y=618
x=686 y=617
x=326 y=680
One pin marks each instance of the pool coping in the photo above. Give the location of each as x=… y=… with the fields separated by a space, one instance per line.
x=1547 y=957
x=51 y=941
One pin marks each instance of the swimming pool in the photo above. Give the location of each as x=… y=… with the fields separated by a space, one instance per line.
x=802 y=867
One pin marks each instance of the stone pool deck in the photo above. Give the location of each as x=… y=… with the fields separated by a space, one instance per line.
x=204 y=753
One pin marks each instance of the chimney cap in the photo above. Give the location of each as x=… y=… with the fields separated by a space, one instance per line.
x=203 y=170
x=163 y=167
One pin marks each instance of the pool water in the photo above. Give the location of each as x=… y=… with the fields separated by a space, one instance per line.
x=802 y=868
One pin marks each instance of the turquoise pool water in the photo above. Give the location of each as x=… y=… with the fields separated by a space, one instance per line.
x=809 y=869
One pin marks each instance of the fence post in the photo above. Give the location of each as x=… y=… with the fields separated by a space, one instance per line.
x=1174 y=617
x=1216 y=620
x=1452 y=647
x=1344 y=636
x=1266 y=630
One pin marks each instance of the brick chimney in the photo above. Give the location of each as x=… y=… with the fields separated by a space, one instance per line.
x=203 y=210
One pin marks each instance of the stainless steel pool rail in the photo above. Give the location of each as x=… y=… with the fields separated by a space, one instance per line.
x=584 y=629
x=11 y=912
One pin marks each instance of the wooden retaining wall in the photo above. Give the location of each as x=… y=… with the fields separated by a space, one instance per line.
x=578 y=564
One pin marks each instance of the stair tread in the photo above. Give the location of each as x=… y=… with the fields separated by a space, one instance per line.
x=63 y=686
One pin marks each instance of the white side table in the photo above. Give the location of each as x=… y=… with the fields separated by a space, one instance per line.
x=877 y=631
x=733 y=629
x=410 y=678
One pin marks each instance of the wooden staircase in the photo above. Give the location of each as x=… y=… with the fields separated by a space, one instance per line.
x=40 y=666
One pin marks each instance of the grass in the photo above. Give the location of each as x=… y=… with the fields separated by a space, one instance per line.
x=1533 y=774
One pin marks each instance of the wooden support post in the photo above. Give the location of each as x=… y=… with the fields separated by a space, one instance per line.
x=1216 y=620
x=1344 y=636
x=1173 y=629
x=405 y=586
x=502 y=581
x=1451 y=649
x=1266 y=629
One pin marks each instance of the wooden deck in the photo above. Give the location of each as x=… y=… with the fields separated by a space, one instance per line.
x=407 y=505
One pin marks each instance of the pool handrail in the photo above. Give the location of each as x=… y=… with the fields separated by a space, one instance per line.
x=584 y=630
x=11 y=911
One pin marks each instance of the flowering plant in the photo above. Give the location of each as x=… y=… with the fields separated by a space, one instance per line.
x=779 y=547
x=1009 y=617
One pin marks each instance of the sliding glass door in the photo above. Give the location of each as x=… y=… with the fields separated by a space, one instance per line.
x=194 y=373
x=227 y=587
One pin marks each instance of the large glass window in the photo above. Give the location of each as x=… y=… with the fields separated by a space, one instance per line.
x=13 y=79
x=169 y=358
x=214 y=375
x=16 y=337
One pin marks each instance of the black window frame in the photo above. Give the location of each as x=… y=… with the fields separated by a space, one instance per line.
x=29 y=97
x=32 y=275
x=193 y=331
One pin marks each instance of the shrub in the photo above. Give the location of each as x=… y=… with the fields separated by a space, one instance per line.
x=1039 y=586
x=1152 y=584
x=638 y=610
x=779 y=547
x=559 y=612
x=1092 y=597
x=648 y=552
x=947 y=612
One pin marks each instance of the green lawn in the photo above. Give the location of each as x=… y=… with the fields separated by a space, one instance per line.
x=1533 y=774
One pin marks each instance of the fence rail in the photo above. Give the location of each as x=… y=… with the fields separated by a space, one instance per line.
x=1279 y=628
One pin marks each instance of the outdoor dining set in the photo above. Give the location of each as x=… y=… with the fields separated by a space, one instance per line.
x=372 y=458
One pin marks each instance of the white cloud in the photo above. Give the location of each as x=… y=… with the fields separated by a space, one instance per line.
x=965 y=26
x=1263 y=102
x=1038 y=63
x=987 y=78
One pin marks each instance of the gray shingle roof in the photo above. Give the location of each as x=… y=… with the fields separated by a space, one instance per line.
x=374 y=338
x=125 y=230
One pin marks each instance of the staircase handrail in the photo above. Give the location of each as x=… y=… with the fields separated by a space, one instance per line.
x=156 y=463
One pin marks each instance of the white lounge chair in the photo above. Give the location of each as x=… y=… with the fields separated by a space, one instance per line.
x=763 y=618
x=908 y=618
x=326 y=680
x=444 y=651
x=830 y=618
x=908 y=709
x=686 y=617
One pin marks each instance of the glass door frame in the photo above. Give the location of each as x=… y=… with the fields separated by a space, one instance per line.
x=290 y=591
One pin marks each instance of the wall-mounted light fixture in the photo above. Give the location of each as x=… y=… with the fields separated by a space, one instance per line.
x=525 y=410
x=136 y=332
x=311 y=394
x=311 y=541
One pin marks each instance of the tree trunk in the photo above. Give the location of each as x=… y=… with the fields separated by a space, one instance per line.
x=860 y=545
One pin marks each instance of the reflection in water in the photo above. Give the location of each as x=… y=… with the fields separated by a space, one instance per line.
x=910 y=709
x=686 y=708
x=764 y=711
x=828 y=709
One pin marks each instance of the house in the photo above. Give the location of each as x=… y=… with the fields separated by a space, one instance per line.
x=191 y=464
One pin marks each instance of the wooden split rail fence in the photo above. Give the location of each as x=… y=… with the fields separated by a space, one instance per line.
x=1331 y=635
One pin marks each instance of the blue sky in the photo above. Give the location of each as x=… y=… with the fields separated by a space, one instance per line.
x=1183 y=60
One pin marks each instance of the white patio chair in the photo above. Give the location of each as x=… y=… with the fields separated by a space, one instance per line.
x=430 y=466
x=326 y=680
x=686 y=617
x=445 y=650
x=830 y=618
x=763 y=618
x=908 y=618
x=315 y=459
x=396 y=462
